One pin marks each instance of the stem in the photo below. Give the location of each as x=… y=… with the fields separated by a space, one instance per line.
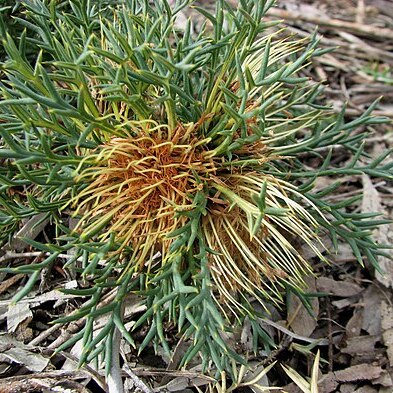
x=114 y=379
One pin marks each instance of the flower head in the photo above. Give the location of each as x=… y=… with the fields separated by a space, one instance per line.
x=137 y=183
x=138 y=188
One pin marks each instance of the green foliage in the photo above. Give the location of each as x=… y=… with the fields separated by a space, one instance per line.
x=380 y=72
x=225 y=113
x=8 y=10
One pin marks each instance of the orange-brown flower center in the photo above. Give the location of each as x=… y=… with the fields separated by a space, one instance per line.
x=139 y=182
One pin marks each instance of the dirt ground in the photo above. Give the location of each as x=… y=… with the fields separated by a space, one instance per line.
x=357 y=318
x=353 y=327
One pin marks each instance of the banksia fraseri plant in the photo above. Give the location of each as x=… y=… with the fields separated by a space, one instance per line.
x=181 y=157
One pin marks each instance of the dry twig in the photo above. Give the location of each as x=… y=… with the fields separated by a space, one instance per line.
x=359 y=29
